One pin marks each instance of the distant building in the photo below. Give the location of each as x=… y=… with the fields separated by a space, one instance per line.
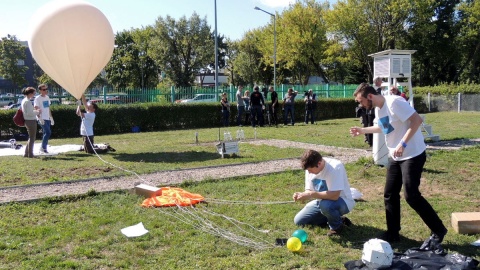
x=209 y=78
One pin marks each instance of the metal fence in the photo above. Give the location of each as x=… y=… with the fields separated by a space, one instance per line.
x=459 y=102
x=174 y=94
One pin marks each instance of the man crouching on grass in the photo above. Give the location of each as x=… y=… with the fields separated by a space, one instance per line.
x=326 y=184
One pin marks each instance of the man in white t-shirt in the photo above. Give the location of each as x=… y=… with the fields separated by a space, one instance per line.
x=401 y=125
x=326 y=184
x=240 y=105
x=42 y=102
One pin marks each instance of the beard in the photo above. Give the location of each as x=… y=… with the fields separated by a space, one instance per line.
x=369 y=105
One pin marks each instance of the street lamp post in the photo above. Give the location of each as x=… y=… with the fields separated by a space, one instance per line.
x=274 y=47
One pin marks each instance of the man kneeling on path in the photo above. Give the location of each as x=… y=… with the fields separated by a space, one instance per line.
x=326 y=184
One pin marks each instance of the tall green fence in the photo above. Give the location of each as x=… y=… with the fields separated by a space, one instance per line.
x=173 y=94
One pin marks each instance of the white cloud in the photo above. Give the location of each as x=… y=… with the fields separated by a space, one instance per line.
x=276 y=3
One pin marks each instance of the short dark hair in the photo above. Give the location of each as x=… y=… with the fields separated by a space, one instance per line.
x=364 y=89
x=310 y=159
x=95 y=106
x=28 y=90
x=41 y=86
x=256 y=88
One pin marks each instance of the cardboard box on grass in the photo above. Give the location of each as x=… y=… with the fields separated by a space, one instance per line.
x=147 y=191
x=466 y=223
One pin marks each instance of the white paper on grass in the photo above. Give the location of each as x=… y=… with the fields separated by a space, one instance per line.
x=135 y=230
x=356 y=195
x=476 y=243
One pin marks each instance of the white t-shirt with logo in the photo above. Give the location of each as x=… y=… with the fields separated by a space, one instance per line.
x=44 y=104
x=333 y=177
x=394 y=123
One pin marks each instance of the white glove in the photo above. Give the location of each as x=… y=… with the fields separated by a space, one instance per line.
x=40 y=120
x=79 y=102
x=51 y=121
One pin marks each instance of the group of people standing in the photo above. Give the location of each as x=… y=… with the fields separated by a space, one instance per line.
x=36 y=111
x=326 y=183
x=254 y=107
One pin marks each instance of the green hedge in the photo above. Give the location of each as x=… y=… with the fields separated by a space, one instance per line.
x=448 y=89
x=114 y=119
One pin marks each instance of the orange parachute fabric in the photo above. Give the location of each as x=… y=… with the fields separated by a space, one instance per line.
x=173 y=197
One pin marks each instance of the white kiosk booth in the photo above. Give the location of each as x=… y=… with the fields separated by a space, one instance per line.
x=392 y=65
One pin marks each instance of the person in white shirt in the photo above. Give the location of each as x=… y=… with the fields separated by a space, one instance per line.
x=240 y=105
x=401 y=125
x=42 y=102
x=326 y=184
x=30 y=115
x=86 y=128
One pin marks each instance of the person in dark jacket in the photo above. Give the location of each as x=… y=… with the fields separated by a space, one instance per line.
x=256 y=107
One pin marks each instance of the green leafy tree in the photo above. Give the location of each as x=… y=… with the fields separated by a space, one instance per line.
x=145 y=72
x=364 y=27
x=12 y=53
x=182 y=48
x=248 y=62
x=432 y=30
x=130 y=65
x=231 y=54
x=469 y=41
x=301 y=40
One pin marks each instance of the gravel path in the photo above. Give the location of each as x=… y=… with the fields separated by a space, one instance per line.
x=166 y=178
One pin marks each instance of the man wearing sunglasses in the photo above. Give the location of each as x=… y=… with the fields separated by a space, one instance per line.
x=42 y=102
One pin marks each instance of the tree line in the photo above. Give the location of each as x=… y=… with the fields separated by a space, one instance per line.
x=312 y=39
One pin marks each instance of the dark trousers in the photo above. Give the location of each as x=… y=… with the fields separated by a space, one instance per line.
x=408 y=173
x=309 y=114
x=367 y=121
x=88 y=144
x=257 y=115
x=274 y=114
x=289 y=109
x=225 y=117
x=240 y=111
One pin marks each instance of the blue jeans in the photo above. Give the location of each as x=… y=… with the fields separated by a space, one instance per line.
x=289 y=109
x=241 y=110
x=47 y=131
x=321 y=212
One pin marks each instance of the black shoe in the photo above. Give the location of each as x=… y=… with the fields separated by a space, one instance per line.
x=336 y=231
x=433 y=243
x=390 y=237
x=347 y=222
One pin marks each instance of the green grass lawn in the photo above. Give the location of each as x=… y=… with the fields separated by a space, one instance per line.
x=83 y=232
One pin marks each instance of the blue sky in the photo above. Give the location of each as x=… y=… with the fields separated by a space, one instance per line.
x=234 y=17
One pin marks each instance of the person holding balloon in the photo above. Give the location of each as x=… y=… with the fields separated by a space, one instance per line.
x=86 y=128
x=326 y=184
x=29 y=114
x=42 y=102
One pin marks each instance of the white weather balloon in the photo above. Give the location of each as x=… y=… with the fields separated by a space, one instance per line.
x=72 y=41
